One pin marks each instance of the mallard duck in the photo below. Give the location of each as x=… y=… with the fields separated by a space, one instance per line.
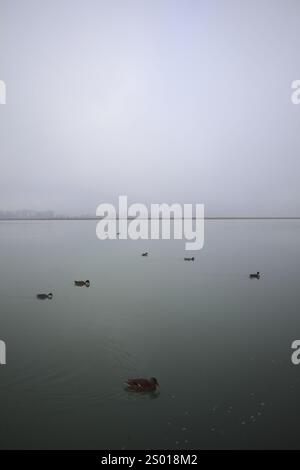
x=82 y=283
x=44 y=296
x=145 y=254
x=255 y=276
x=189 y=259
x=142 y=385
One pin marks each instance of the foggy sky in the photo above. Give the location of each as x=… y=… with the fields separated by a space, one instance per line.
x=161 y=100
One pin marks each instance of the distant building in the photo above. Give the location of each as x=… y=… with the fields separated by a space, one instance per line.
x=26 y=214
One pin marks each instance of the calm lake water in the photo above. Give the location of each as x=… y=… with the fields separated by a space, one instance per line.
x=219 y=343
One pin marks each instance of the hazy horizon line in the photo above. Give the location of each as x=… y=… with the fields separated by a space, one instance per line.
x=152 y=218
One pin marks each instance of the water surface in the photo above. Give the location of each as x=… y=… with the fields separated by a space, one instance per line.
x=219 y=344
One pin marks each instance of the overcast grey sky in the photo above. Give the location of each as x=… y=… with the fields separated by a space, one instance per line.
x=162 y=100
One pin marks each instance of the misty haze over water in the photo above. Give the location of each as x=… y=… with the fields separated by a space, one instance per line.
x=164 y=101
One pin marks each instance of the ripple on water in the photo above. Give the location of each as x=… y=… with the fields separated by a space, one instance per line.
x=65 y=375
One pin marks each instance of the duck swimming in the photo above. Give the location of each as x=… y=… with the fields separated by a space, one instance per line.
x=142 y=385
x=255 y=276
x=189 y=259
x=82 y=283
x=44 y=296
x=145 y=254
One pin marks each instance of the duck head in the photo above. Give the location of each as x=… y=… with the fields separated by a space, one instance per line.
x=154 y=381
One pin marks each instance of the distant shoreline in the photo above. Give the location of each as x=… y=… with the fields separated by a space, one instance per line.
x=12 y=219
